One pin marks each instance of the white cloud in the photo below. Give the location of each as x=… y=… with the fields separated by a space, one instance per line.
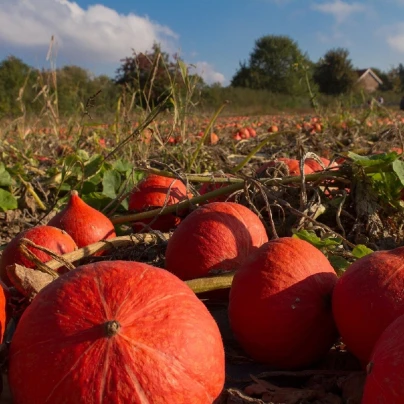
x=208 y=73
x=339 y=9
x=395 y=39
x=95 y=34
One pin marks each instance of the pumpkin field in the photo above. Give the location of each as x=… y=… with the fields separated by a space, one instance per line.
x=203 y=258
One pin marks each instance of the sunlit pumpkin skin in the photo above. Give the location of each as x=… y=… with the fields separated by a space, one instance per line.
x=384 y=380
x=367 y=298
x=280 y=304
x=151 y=193
x=116 y=332
x=82 y=222
x=218 y=235
x=54 y=239
x=316 y=166
x=214 y=138
x=292 y=164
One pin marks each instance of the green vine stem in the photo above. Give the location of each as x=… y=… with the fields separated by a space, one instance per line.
x=210 y=283
x=236 y=185
x=178 y=206
x=31 y=190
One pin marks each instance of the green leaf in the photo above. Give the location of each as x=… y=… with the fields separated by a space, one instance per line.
x=5 y=177
x=387 y=185
x=96 y=179
x=122 y=165
x=97 y=200
x=71 y=166
x=184 y=70
x=111 y=183
x=135 y=176
x=373 y=160
x=361 y=250
x=70 y=159
x=398 y=168
x=88 y=187
x=83 y=155
x=62 y=202
x=7 y=201
x=93 y=166
x=340 y=264
x=312 y=238
x=65 y=187
x=125 y=204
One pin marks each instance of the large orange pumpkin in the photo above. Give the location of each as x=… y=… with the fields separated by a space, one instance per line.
x=218 y=235
x=384 y=380
x=154 y=192
x=367 y=298
x=54 y=239
x=280 y=304
x=116 y=332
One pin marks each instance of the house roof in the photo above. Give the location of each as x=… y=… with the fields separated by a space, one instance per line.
x=364 y=72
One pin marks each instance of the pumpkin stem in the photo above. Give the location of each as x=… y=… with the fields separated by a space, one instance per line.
x=111 y=328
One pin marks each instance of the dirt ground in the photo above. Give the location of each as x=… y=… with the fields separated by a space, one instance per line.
x=5 y=395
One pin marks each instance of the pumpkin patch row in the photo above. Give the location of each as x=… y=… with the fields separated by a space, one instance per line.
x=128 y=332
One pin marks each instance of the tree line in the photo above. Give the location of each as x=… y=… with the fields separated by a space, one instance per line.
x=276 y=64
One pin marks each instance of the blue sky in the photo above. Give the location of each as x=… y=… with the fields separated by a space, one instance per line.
x=214 y=35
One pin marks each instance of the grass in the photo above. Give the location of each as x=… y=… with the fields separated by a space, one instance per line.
x=104 y=157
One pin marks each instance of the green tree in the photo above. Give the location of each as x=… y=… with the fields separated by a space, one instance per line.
x=152 y=74
x=72 y=85
x=148 y=74
x=396 y=78
x=15 y=76
x=107 y=93
x=400 y=74
x=273 y=66
x=334 y=73
x=243 y=77
x=75 y=86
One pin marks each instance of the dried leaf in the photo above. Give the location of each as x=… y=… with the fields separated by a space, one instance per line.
x=234 y=396
x=28 y=281
x=285 y=395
